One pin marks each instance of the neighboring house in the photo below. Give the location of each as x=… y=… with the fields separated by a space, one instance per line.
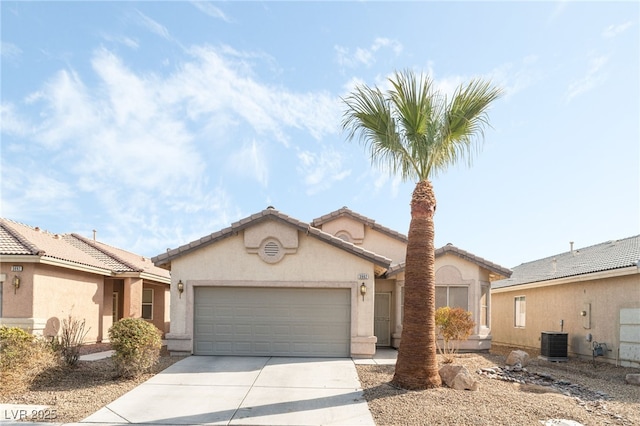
x=273 y=285
x=45 y=278
x=592 y=294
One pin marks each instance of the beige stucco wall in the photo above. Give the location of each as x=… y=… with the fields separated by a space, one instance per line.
x=368 y=238
x=602 y=299
x=313 y=264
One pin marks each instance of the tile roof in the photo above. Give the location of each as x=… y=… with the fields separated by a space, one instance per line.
x=270 y=214
x=450 y=248
x=344 y=211
x=23 y=240
x=610 y=255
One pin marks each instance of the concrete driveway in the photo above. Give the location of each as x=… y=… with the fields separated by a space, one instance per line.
x=244 y=391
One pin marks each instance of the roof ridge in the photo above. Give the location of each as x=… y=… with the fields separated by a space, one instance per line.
x=6 y=224
x=106 y=252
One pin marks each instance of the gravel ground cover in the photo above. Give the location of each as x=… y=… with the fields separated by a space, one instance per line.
x=575 y=390
x=73 y=394
x=580 y=392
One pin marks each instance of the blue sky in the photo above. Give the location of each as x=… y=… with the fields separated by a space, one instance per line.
x=156 y=123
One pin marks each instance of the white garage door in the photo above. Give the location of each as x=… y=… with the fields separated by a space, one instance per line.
x=272 y=321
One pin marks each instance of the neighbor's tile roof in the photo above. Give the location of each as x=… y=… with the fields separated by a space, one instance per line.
x=270 y=214
x=344 y=211
x=20 y=239
x=463 y=254
x=614 y=254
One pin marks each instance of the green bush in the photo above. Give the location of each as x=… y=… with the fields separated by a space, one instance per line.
x=137 y=344
x=22 y=358
x=454 y=325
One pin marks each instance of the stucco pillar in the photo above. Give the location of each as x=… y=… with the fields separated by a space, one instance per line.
x=397 y=313
x=132 y=298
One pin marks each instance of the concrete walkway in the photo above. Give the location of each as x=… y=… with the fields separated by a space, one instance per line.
x=244 y=391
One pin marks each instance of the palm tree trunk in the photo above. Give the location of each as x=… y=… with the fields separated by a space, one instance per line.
x=417 y=364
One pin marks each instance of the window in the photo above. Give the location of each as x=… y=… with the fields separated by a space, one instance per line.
x=520 y=311
x=147 y=303
x=452 y=296
x=484 y=306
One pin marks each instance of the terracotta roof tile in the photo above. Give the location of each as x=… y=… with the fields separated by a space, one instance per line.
x=20 y=239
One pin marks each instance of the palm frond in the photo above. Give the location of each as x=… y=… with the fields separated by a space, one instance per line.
x=413 y=129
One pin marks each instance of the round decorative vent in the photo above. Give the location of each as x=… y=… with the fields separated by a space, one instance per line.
x=271 y=251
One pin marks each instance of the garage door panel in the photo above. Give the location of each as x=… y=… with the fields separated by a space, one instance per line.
x=271 y=321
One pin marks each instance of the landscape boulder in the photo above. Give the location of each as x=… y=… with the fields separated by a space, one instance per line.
x=632 y=379
x=518 y=357
x=458 y=377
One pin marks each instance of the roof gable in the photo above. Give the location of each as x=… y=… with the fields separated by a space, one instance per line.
x=346 y=212
x=610 y=255
x=463 y=254
x=270 y=213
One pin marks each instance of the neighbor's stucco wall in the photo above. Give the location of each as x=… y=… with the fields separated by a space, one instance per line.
x=601 y=299
x=314 y=263
x=61 y=293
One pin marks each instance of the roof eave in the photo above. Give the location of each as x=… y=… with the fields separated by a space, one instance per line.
x=610 y=273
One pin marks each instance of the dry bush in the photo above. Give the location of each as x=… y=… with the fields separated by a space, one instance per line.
x=71 y=339
x=454 y=325
x=22 y=358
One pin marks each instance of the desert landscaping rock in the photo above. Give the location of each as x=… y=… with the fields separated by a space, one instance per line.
x=518 y=357
x=458 y=377
x=632 y=379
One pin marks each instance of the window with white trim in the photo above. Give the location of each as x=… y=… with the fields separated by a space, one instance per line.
x=519 y=311
x=147 y=303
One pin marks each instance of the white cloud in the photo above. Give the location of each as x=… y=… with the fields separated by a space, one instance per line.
x=10 y=122
x=251 y=161
x=9 y=51
x=321 y=170
x=153 y=26
x=366 y=55
x=592 y=79
x=127 y=41
x=210 y=10
x=613 y=30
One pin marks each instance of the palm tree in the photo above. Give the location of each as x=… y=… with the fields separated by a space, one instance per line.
x=416 y=131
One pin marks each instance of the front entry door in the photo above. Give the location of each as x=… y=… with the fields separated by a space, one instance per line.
x=382 y=319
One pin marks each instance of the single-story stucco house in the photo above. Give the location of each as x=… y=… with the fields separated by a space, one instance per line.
x=273 y=285
x=590 y=296
x=45 y=278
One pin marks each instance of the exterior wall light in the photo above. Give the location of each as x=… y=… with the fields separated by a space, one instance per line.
x=16 y=284
x=363 y=290
x=180 y=288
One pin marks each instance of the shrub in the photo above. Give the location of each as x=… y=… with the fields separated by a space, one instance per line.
x=454 y=325
x=71 y=339
x=22 y=358
x=137 y=344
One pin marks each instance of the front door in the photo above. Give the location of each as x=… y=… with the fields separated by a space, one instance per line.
x=382 y=319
